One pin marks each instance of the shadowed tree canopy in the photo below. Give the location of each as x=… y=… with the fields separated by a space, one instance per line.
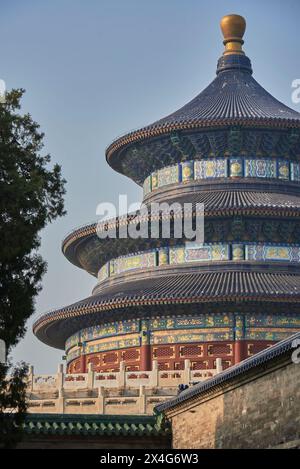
x=31 y=195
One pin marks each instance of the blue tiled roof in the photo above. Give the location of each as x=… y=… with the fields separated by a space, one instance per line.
x=234 y=97
x=242 y=284
x=234 y=93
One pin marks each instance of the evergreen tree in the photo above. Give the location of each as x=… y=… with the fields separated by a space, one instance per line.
x=31 y=195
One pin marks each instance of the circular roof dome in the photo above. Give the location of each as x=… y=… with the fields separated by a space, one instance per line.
x=233 y=98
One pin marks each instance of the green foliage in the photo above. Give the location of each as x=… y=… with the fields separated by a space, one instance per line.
x=31 y=195
x=12 y=404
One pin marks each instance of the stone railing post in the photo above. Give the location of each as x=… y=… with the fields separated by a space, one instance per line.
x=219 y=366
x=60 y=388
x=100 y=406
x=60 y=378
x=142 y=400
x=187 y=372
x=154 y=374
x=121 y=376
x=30 y=381
x=90 y=377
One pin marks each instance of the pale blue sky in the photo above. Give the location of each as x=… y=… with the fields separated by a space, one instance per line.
x=96 y=69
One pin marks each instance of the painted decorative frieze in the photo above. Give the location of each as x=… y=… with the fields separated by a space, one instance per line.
x=259 y=168
x=268 y=334
x=103 y=272
x=102 y=331
x=262 y=252
x=272 y=320
x=185 y=336
x=283 y=170
x=238 y=252
x=192 y=252
x=187 y=322
x=147 y=187
x=154 y=181
x=141 y=261
x=187 y=171
x=163 y=256
x=168 y=175
x=176 y=255
x=207 y=327
x=104 y=346
x=295 y=171
x=234 y=167
x=210 y=168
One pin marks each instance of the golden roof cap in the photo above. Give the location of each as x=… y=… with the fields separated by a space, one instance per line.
x=233 y=28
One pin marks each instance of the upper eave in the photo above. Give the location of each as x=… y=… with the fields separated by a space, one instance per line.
x=115 y=149
x=233 y=99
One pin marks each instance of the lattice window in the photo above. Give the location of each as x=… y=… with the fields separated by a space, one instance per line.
x=163 y=352
x=257 y=347
x=110 y=357
x=76 y=366
x=131 y=355
x=95 y=361
x=163 y=366
x=220 y=349
x=200 y=365
x=191 y=350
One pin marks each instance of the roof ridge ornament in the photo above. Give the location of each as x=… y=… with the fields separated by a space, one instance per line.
x=233 y=28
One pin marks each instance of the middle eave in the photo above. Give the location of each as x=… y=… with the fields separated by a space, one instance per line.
x=86 y=250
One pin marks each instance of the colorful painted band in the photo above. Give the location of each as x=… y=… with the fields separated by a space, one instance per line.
x=182 y=329
x=210 y=252
x=210 y=168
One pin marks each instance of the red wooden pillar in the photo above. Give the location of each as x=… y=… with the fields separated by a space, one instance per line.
x=239 y=335
x=145 y=357
x=82 y=364
x=145 y=347
x=239 y=351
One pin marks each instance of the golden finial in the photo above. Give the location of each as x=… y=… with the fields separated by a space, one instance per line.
x=233 y=28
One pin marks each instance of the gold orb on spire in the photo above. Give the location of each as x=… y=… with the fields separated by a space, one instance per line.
x=233 y=29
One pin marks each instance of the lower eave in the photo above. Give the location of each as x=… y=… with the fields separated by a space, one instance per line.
x=225 y=286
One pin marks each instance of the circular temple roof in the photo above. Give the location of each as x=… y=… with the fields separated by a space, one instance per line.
x=234 y=98
x=243 y=284
x=208 y=125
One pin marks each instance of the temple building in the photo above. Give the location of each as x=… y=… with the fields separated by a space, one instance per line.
x=235 y=149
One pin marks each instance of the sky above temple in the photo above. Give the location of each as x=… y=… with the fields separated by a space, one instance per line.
x=96 y=69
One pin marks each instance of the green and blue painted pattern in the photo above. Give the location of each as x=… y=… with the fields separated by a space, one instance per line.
x=185 y=329
x=212 y=168
x=209 y=252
